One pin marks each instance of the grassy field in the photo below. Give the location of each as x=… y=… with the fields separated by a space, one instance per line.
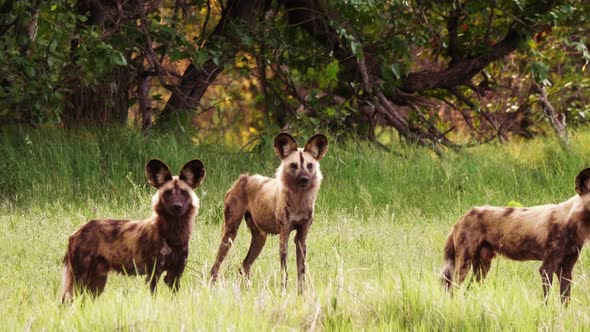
x=374 y=251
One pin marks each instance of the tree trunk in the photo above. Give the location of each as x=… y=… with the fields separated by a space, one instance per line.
x=99 y=106
x=145 y=103
x=107 y=103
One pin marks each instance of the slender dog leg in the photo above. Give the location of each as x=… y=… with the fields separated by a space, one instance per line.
x=547 y=270
x=483 y=262
x=227 y=239
x=173 y=274
x=233 y=214
x=301 y=252
x=256 y=245
x=565 y=276
x=283 y=246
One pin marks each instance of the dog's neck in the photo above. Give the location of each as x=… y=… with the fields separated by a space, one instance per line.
x=175 y=229
x=579 y=219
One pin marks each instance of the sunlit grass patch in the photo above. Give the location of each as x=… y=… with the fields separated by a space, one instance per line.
x=374 y=250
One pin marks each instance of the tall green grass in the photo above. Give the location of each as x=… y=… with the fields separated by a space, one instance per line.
x=374 y=250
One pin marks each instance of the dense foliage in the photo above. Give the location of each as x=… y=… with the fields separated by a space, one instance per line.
x=435 y=72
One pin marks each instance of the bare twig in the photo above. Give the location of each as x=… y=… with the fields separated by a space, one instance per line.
x=557 y=120
x=204 y=27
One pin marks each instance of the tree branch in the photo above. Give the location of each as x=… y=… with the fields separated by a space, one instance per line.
x=452 y=25
x=196 y=80
x=462 y=71
x=557 y=120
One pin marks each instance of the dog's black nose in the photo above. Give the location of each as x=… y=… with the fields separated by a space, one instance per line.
x=303 y=181
x=177 y=206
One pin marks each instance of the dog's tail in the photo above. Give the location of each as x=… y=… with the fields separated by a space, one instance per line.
x=67 y=281
x=449 y=268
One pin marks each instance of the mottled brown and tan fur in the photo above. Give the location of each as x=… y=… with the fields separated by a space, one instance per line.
x=553 y=234
x=276 y=205
x=145 y=247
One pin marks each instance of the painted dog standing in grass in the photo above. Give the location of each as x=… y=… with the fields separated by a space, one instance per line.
x=146 y=247
x=553 y=233
x=276 y=205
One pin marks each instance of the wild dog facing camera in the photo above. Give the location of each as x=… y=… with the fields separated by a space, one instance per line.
x=175 y=195
x=276 y=205
x=300 y=166
x=146 y=247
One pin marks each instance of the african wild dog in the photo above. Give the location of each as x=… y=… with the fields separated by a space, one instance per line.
x=276 y=205
x=146 y=247
x=553 y=234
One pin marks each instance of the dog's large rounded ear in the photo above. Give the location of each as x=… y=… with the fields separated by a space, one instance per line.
x=317 y=146
x=157 y=172
x=193 y=173
x=583 y=182
x=284 y=145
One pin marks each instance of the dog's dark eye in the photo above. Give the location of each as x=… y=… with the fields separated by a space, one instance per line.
x=309 y=166
x=167 y=193
x=293 y=165
x=184 y=193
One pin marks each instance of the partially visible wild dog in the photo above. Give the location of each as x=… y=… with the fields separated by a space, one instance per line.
x=553 y=234
x=276 y=205
x=145 y=247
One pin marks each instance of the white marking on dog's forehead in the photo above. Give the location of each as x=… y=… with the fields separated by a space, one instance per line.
x=296 y=157
x=307 y=157
x=169 y=185
x=175 y=182
x=182 y=184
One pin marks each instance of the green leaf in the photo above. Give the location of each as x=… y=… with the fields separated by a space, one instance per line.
x=51 y=60
x=215 y=58
x=53 y=45
x=356 y=48
x=539 y=70
x=30 y=71
x=332 y=70
x=176 y=55
x=514 y=204
x=118 y=59
x=247 y=41
x=202 y=56
x=395 y=70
